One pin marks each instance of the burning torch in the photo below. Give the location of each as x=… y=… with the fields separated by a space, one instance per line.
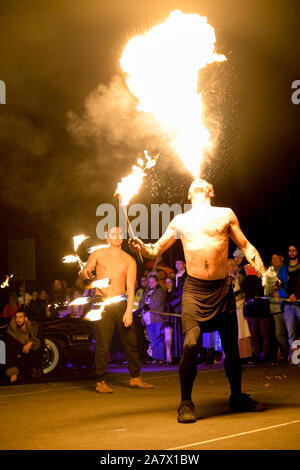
x=129 y=186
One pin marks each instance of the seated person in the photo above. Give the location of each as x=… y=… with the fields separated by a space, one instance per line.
x=24 y=349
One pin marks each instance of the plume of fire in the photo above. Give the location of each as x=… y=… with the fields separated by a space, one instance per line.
x=73 y=259
x=96 y=314
x=162 y=72
x=77 y=240
x=6 y=282
x=130 y=185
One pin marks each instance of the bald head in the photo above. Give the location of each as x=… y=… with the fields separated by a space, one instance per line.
x=200 y=187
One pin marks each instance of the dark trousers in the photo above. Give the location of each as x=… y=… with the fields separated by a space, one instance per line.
x=113 y=318
x=260 y=328
x=142 y=342
x=18 y=362
x=227 y=326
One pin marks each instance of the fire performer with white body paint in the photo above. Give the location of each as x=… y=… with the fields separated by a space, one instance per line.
x=208 y=302
x=113 y=263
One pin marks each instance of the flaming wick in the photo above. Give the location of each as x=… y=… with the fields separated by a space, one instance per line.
x=6 y=282
x=130 y=185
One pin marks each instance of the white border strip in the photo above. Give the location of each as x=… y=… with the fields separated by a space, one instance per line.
x=234 y=435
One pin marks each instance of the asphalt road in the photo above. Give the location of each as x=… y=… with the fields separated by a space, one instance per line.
x=71 y=415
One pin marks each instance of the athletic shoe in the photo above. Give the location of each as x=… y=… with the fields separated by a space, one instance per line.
x=243 y=402
x=102 y=387
x=186 y=412
x=137 y=382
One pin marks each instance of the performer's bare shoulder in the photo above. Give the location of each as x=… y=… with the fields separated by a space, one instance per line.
x=204 y=231
x=205 y=235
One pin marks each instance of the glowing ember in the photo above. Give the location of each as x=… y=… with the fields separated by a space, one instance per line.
x=162 y=72
x=6 y=282
x=96 y=314
x=78 y=239
x=130 y=185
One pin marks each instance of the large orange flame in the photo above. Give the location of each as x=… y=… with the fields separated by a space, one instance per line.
x=162 y=72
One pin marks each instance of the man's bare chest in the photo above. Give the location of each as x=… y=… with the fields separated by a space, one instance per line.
x=112 y=267
x=205 y=227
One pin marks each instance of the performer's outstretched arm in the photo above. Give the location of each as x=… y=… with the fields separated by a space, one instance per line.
x=241 y=241
x=130 y=283
x=153 y=250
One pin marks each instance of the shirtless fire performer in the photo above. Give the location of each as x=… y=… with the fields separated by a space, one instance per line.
x=113 y=263
x=208 y=302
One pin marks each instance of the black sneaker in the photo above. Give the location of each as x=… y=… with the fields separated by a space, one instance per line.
x=186 y=412
x=243 y=402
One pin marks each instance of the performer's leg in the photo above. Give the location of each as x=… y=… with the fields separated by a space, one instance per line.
x=188 y=362
x=104 y=331
x=129 y=342
x=228 y=330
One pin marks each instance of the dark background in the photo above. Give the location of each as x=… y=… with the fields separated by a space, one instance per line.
x=54 y=54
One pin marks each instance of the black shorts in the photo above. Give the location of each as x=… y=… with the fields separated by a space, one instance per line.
x=203 y=301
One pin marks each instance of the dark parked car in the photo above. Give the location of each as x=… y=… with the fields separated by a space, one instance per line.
x=65 y=339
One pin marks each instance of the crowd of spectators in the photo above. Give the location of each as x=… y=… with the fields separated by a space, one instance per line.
x=267 y=325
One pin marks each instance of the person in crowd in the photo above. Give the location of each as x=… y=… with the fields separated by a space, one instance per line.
x=151 y=302
x=57 y=301
x=24 y=348
x=80 y=285
x=76 y=311
x=37 y=308
x=237 y=277
x=257 y=312
x=168 y=324
x=180 y=277
x=277 y=261
x=289 y=276
x=179 y=280
x=24 y=297
x=115 y=264
x=157 y=265
x=12 y=307
x=143 y=344
x=211 y=344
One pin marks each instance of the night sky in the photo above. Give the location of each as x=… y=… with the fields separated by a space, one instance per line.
x=55 y=54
